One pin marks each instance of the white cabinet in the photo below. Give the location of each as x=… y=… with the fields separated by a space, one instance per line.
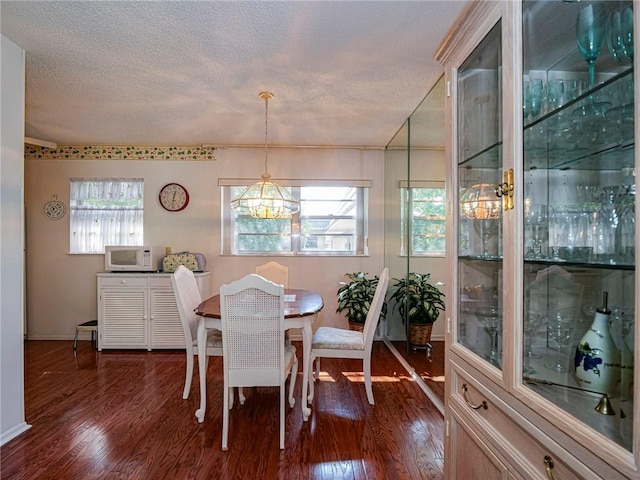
x=140 y=311
x=541 y=186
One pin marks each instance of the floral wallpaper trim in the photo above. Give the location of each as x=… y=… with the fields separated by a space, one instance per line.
x=88 y=152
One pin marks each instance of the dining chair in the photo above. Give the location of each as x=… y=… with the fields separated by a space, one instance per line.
x=255 y=354
x=274 y=272
x=185 y=289
x=331 y=342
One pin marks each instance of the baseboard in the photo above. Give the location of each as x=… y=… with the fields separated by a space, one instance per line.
x=14 y=432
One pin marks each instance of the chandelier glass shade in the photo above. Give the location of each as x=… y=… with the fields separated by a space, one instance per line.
x=480 y=202
x=266 y=199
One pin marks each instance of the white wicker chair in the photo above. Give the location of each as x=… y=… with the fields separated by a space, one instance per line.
x=330 y=342
x=188 y=298
x=274 y=272
x=255 y=353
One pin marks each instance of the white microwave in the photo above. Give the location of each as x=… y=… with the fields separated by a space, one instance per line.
x=132 y=258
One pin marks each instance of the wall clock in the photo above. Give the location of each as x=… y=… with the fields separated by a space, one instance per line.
x=174 y=197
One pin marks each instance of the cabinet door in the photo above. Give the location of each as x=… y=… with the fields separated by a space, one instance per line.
x=122 y=321
x=165 y=324
x=471 y=458
x=479 y=172
x=578 y=218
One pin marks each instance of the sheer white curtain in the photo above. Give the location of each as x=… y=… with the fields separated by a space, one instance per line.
x=105 y=211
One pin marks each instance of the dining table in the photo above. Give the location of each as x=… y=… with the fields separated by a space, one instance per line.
x=301 y=310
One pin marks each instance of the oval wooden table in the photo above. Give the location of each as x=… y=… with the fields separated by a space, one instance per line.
x=301 y=310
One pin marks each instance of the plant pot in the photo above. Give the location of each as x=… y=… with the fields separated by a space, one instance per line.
x=419 y=335
x=358 y=327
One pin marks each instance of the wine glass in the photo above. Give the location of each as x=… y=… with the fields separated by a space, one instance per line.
x=626 y=22
x=492 y=319
x=559 y=328
x=536 y=219
x=590 y=33
x=614 y=35
x=532 y=322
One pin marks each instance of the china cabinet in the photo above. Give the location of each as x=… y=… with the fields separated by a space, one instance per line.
x=541 y=188
x=139 y=311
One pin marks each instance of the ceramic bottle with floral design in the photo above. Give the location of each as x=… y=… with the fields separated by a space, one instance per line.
x=597 y=361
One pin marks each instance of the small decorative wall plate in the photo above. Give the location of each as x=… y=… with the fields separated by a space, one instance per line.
x=54 y=209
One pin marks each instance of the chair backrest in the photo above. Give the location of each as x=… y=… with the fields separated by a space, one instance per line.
x=252 y=311
x=185 y=289
x=275 y=272
x=371 y=323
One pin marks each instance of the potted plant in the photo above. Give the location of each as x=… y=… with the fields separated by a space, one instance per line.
x=420 y=303
x=354 y=298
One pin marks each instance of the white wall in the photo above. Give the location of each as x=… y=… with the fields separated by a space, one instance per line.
x=12 y=415
x=61 y=288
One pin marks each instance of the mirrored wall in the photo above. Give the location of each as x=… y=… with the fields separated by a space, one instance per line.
x=415 y=231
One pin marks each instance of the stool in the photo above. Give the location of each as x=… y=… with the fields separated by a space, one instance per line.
x=90 y=326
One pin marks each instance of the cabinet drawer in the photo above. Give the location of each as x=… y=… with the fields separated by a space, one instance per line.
x=161 y=282
x=527 y=450
x=122 y=281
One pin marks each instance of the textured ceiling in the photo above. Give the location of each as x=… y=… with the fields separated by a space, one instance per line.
x=344 y=73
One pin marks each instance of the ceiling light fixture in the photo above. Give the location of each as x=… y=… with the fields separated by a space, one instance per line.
x=266 y=199
x=479 y=202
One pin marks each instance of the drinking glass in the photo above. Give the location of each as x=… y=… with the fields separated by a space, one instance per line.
x=536 y=220
x=614 y=35
x=559 y=329
x=491 y=316
x=590 y=33
x=626 y=22
x=535 y=97
x=532 y=322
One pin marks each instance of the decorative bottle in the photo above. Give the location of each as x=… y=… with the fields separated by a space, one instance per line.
x=597 y=361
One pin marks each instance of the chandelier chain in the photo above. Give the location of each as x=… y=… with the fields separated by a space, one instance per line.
x=266 y=133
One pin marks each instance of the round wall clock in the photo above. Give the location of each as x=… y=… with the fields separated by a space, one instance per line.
x=174 y=197
x=54 y=210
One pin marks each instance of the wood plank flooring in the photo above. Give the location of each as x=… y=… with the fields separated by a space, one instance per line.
x=120 y=415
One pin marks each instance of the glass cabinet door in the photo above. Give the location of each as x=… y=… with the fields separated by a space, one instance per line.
x=579 y=211
x=479 y=167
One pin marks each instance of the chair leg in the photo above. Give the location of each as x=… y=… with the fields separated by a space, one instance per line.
x=312 y=378
x=75 y=341
x=225 y=416
x=292 y=382
x=241 y=396
x=282 y=398
x=366 y=363
x=189 y=376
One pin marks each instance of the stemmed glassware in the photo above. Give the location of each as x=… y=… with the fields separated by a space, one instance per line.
x=532 y=322
x=626 y=22
x=559 y=329
x=590 y=33
x=536 y=219
x=492 y=319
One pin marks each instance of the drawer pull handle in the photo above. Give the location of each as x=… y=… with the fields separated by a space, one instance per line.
x=548 y=466
x=475 y=407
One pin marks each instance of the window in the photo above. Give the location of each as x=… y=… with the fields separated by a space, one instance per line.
x=105 y=211
x=423 y=218
x=331 y=221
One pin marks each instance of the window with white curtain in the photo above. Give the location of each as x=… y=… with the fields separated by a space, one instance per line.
x=105 y=211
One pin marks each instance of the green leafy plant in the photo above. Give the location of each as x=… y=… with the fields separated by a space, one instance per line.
x=355 y=296
x=416 y=299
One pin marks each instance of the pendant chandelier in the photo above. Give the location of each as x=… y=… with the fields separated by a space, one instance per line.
x=479 y=202
x=266 y=199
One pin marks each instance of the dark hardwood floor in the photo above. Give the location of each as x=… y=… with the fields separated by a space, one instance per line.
x=431 y=371
x=120 y=415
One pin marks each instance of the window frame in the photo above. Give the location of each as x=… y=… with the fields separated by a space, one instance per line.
x=228 y=243
x=407 y=206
